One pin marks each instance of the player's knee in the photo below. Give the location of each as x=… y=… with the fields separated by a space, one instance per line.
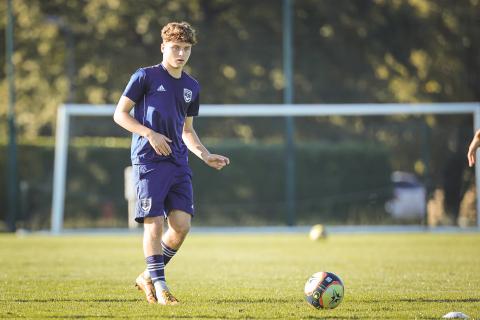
x=153 y=230
x=182 y=228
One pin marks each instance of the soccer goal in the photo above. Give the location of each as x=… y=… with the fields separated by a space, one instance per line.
x=260 y=115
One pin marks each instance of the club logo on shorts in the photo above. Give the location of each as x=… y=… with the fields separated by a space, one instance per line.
x=187 y=95
x=146 y=204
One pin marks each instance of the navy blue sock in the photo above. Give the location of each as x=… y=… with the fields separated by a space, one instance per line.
x=156 y=267
x=168 y=253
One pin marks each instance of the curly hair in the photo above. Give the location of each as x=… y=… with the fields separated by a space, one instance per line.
x=179 y=32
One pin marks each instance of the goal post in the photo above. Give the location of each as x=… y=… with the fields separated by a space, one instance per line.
x=66 y=111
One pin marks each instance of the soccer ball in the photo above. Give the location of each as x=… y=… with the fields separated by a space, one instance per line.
x=324 y=290
x=317 y=232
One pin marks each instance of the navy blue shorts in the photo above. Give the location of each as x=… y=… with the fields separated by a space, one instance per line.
x=162 y=187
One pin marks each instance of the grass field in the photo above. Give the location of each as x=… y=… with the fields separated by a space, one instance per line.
x=392 y=276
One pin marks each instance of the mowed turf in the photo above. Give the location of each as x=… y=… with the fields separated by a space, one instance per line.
x=254 y=276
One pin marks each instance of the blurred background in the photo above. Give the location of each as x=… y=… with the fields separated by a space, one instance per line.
x=349 y=170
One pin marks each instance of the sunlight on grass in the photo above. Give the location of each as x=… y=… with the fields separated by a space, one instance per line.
x=396 y=276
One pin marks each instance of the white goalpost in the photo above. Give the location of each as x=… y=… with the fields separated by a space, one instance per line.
x=65 y=112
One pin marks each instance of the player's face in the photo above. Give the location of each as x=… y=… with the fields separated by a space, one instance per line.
x=176 y=54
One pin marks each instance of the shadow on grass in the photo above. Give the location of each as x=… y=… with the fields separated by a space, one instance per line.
x=253 y=317
x=252 y=300
x=83 y=317
x=334 y=317
x=440 y=300
x=425 y=300
x=70 y=300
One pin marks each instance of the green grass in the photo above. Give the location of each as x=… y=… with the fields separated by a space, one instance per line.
x=394 y=276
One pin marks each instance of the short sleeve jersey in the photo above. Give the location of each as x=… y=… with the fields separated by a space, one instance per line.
x=162 y=103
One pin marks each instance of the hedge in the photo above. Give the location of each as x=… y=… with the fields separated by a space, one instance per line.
x=344 y=183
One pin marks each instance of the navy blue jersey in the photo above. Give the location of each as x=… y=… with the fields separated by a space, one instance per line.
x=162 y=103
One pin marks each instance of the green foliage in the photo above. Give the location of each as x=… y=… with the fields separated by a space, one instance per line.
x=35 y=165
x=335 y=183
x=332 y=185
x=387 y=51
x=254 y=276
x=339 y=184
x=349 y=51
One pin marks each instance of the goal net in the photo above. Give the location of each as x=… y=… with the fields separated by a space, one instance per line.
x=352 y=164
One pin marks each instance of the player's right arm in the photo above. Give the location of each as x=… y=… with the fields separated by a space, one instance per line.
x=122 y=117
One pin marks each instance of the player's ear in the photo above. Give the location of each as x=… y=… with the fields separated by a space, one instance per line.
x=161 y=47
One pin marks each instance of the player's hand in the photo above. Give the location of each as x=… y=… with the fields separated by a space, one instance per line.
x=159 y=143
x=217 y=161
x=472 y=152
x=472 y=149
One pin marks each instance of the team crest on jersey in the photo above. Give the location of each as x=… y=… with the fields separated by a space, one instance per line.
x=187 y=95
x=146 y=204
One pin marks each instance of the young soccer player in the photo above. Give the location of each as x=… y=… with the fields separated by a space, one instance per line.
x=164 y=100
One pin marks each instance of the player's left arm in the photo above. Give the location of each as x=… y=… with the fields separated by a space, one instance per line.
x=193 y=143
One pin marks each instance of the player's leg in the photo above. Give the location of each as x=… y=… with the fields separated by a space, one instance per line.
x=179 y=205
x=153 y=183
x=154 y=257
x=179 y=223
